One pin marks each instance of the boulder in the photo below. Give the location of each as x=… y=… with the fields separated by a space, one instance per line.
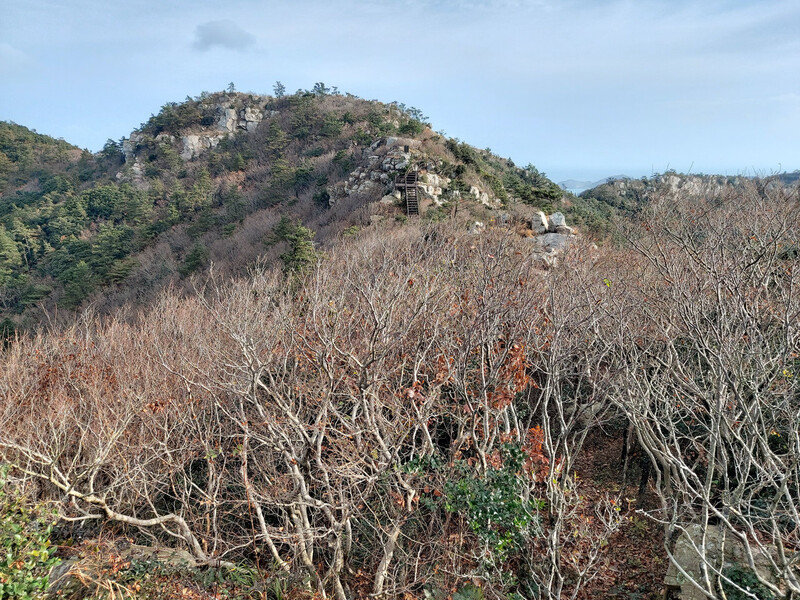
x=174 y=557
x=249 y=118
x=539 y=223
x=392 y=142
x=553 y=242
x=129 y=145
x=76 y=578
x=556 y=220
x=434 y=180
x=686 y=555
x=64 y=582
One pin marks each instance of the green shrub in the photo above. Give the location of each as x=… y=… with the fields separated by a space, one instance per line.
x=344 y=161
x=26 y=554
x=411 y=127
x=322 y=198
x=745 y=578
x=362 y=138
x=301 y=254
x=331 y=126
x=197 y=258
x=495 y=506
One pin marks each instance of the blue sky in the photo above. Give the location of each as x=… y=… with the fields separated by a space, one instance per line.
x=579 y=88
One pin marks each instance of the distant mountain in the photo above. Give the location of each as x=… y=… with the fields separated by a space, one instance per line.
x=627 y=195
x=576 y=186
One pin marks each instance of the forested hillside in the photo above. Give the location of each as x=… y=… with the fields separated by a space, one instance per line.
x=208 y=180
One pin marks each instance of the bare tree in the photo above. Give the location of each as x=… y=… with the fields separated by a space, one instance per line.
x=332 y=423
x=706 y=369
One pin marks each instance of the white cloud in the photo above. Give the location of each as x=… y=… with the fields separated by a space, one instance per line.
x=222 y=34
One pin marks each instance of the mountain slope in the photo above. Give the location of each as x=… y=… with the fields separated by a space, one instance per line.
x=208 y=180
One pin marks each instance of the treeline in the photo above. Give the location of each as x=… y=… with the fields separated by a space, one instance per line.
x=408 y=414
x=25 y=154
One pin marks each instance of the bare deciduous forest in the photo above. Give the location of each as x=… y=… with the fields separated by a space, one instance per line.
x=418 y=415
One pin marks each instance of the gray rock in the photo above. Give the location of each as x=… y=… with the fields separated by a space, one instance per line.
x=129 y=145
x=553 y=242
x=565 y=230
x=68 y=580
x=556 y=220
x=250 y=118
x=227 y=119
x=64 y=583
x=686 y=555
x=539 y=223
x=392 y=142
x=195 y=145
x=174 y=557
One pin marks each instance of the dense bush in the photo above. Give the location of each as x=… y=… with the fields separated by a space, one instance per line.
x=26 y=553
x=386 y=392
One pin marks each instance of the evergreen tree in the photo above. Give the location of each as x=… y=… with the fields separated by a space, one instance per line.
x=301 y=254
x=9 y=256
x=79 y=284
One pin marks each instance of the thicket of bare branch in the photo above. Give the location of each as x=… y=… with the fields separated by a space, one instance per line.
x=410 y=413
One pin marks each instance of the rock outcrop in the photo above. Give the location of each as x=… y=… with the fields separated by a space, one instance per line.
x=382 y=162
x=539 y=224
x=552 y=233
x=720 y=551
x=231 y=117
x=195 y=145
x=247 y=118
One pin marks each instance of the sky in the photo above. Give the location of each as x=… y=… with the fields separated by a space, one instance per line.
x=581 y=89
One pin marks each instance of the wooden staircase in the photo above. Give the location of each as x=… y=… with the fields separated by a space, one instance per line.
x=408 y=182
